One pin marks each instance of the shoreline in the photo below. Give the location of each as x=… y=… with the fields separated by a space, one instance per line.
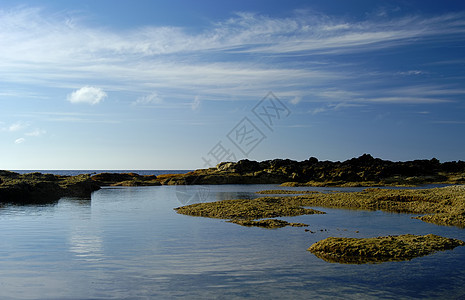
x=441 y=206
x=363 y=171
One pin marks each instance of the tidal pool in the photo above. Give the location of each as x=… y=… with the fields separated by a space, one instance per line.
x=129 y=243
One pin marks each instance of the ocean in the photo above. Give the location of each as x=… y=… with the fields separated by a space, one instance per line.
x=78 y=172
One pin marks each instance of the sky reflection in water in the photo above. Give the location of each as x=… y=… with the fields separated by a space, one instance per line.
x=129 y=243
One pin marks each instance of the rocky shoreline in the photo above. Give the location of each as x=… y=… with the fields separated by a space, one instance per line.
x=442 y=206
x=361 y=171
x=38 y=188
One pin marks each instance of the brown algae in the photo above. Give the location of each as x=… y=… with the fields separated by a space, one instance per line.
x=381 y=249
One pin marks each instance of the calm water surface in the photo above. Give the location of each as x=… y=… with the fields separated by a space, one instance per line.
x=128 y=243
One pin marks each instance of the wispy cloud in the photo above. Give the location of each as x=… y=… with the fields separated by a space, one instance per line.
x=196 y=103
x=215 y=63
x=296 y=100
x=334 y=107
x=152 y=98
x=20 y=141
x=451 y=122
x=412 y=73
x=36 y=132
x=17 y=126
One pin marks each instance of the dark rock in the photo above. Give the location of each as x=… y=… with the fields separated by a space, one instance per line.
x=359 y=171
x=34 y=188
x=124 y=179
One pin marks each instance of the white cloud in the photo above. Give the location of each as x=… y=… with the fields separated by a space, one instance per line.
x=20 y=141
x=153 y=98
x=88 y=95
x=296 y=100
x=196 y=103
x=318 y=110
x=37 y=132
x=407 y=100
x=178 y=63
x=334 y=107
x=17 y=126
x=412 y=73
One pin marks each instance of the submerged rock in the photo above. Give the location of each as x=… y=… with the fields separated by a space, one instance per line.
x=268 y=223
x=381 y=249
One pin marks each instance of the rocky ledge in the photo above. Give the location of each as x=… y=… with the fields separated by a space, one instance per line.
x=34 y=188
x=381 y=249
x=441 y=206
x=245 y=212
x=362 y=171
x=125 y=179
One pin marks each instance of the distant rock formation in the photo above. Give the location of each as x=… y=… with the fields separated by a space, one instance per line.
x=362 y=171
x=125 y=179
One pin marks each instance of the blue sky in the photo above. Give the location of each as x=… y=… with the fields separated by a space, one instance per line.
x=184 y=84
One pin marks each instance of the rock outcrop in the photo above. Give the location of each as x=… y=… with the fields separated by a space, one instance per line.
x=246 y=212
x=34 y=188
x=362 y=171
x=125 y=179
x=381 y=249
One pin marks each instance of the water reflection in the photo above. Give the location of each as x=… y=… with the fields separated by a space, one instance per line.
x=85 y=238
x=88 y=247
x=130 y=243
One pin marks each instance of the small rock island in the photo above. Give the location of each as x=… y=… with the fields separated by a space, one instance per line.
x=381 y=249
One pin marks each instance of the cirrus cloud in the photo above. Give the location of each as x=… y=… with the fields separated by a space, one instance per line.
x=20 y=141
x=153 y=98
x=88 y=94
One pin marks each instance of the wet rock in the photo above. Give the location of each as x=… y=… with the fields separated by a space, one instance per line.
x=245 y=211
x=125 y=179
x=43 y=188
x=268 y=223
x=361 y=171
x=380 y=249
x=284 y=192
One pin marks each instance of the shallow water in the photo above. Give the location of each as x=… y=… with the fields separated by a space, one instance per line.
x=129 y=243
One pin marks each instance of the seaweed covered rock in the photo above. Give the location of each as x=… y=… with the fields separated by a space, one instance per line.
x=245 y=211
x=442 y=206
x=267 y=223
x=381 y=249
x=33 y=188
x=125 y=179
x=248 y=209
